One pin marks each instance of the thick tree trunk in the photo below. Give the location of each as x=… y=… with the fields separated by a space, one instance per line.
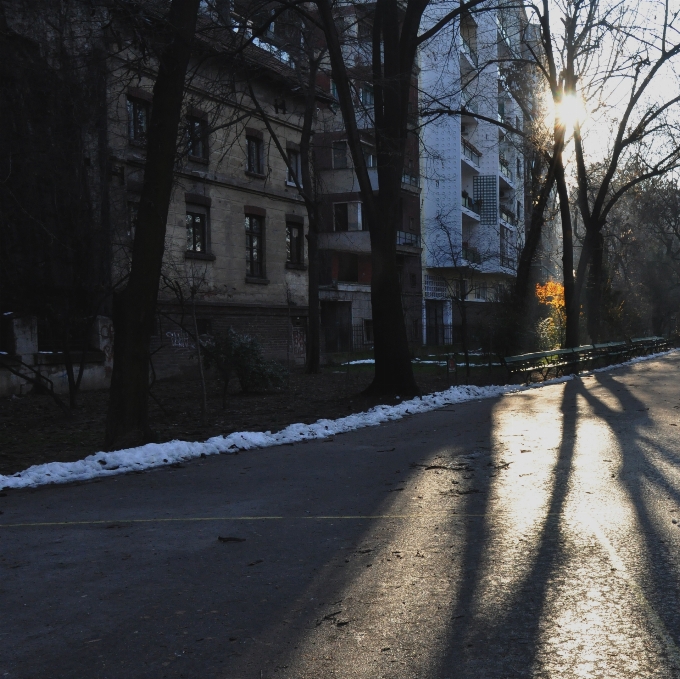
x=594 y=290
x=133 y=308
x=570 y=306
x=314 y=324
x=393 y=370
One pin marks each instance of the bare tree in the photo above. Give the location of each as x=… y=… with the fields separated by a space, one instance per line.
x=610 y=58
x=397 y=34
x=134 y=307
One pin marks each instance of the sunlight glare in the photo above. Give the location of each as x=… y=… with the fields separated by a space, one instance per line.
x=570 y=111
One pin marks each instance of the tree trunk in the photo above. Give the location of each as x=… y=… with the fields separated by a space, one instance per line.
x=464 y=338
x=134 y=307
x=314 y=324
x=570 y=306
x=594 y=290
x=393 y=370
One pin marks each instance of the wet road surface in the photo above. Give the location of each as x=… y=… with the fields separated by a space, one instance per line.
x=532 y=535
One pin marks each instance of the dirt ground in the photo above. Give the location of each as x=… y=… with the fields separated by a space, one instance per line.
x=33 y=430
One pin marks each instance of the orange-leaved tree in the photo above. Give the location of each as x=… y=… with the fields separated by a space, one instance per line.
x=550 y=330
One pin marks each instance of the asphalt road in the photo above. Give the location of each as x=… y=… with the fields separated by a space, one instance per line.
x=532 y=535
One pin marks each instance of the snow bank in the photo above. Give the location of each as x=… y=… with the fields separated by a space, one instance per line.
x=159 y=454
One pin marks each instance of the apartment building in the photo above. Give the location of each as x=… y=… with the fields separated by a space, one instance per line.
x=345 y=280
x=473 y=172
x=235 y=243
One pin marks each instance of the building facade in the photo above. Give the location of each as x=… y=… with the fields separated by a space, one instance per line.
x=473 y=167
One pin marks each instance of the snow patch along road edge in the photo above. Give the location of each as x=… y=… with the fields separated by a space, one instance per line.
x=161 y=454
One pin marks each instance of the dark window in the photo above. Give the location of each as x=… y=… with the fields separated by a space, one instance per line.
x=368 y=329
x=341 y=216
x=367 y=97
x=348 y=267
x=254 y=246
x=369 y=155
x=414 y=280
x=198 y=138
x=294 y=243
x=138 y=119
x=294 y=162
x=254 y=150
x=365 y=31
x=340 y=155
x=196 y=232
x=132 y=215
x=204 y=326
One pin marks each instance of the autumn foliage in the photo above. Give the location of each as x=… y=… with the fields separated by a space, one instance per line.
x=550 y=330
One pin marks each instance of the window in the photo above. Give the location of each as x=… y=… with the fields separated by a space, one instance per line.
x=368 y=329
x=369 y=155
x=334 y=89
x=197 y=232
x=364 y=31
x=198 y=138
x=132 y=215
x=295 y=243
x=347 y=216
x=254 y=155
x=366 y=95
x=340 y=155
x=414 y=280
x=138 y=120
x=340 y=217
x=254 y=246
x=294 y=162
x=348 y=267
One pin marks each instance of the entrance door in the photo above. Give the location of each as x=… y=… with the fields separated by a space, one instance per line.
x=336 y=319
x=434 y=317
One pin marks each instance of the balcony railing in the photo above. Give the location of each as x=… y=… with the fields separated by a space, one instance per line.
x=472 y=255
x=505 y=170
x=470 y=153
x=466 y=48
x=508 y=217
x=507 y=262
x=406 y=238
x=473 y=205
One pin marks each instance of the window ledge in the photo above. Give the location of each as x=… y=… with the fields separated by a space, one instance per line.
x=137 y=142
x=199 y=159
x=256 y=280
x=296 y=265
x=256 y=175
x=206 y=256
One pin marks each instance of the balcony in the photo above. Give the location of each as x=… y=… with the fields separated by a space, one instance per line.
x=506 y=262
x=467 y=102
x=408 y=239
x=471 y=255
x=471 y=54
x=410 y=182
x=508 y=217
x=470 y=152
x=504 y=169
x=469 y=204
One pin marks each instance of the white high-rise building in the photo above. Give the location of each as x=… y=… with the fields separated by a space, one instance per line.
x=472 y=169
